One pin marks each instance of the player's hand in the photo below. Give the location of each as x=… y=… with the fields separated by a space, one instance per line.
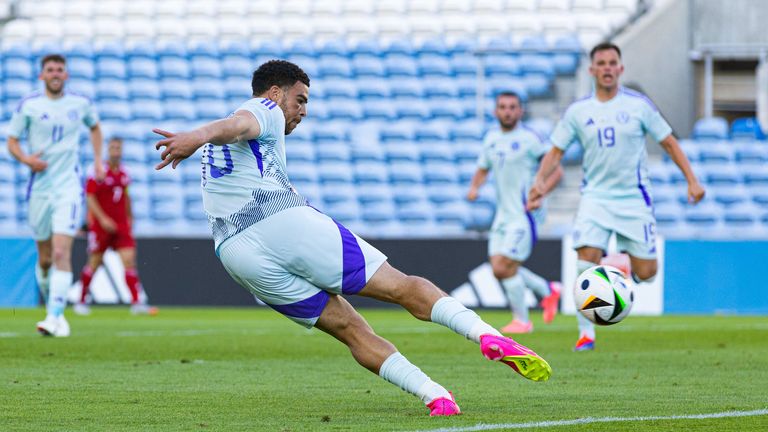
x=535 y=197
x=34 y=162
x=108 y=224
x=695 y=192
x=472 y=194
x=177 y=147
x=98 y=169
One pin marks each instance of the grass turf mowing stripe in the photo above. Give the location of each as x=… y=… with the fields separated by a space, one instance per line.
x=589 y=420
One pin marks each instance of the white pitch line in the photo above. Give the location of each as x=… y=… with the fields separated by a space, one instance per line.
x=589 y=420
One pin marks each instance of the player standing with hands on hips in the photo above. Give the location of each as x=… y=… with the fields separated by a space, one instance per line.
x=611 y=124
x=513 y=152
x=52 y=119
x=298 y=260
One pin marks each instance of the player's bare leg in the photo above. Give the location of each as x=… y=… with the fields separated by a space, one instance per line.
x=643 y=270
x=86 y=275
x=427 y=302
x=60 y=279
x=587 y=257
x=43 y=266
x=505 y=270
x=342 y=321
x=128 y=257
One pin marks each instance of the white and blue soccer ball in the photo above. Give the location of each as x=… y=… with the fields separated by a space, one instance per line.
x=603 y=294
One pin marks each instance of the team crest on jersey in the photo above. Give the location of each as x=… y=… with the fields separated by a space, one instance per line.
x=622 y=117
x=44 y=116
x=72 y=114
x=515 y=146
x=589 y=122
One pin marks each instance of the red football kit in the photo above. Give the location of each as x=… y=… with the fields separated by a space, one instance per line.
x=110 y=193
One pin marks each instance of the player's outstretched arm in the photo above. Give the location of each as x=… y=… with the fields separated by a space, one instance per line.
x=549 y=164
x=477 y=180
x=97 y=141
x=179 y=146
x=33 y=161
x=672 y=147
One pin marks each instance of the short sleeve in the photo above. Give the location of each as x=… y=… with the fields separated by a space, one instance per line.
x=483 y=160
x=91 y=117
x=655 y=124
x=91 y=186
x=538 y=148
x=263 y=110
x=564 y=132
x=19 y=123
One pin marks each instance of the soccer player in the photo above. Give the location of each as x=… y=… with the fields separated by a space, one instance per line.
x=611 y=125
x=52 y=120
x=513 y=152
x=299 y=261
x=109 y=226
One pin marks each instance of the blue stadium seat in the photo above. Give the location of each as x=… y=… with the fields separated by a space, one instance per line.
x=728 y=196
x=143 y=68
x=143 y=89
x=112 y=89
x=346 y=213
x=464 y=65
x=330 y=133
x=759 y=196
x=407 y=88
x=82 y=87
x=404 y=171
x=312 y=193
x=368 y=47
x=335 y=172
x=453 y=213
x=166 y=208
x=113 y=50
x=191 y=174
x=703 y=215
x=751 y=152
x=340 y=88
x=179 y=110
x=722 y=175
x=373 y=193
x=14 y=90
x=370 y=172
x=205 y=67
x=134 y=151
x=207 y=88
x=741 y=216
x=345 y=110
x=466 y=152
x=416 y=212
x=710 y=128
x=147 y=109
x=501 y=66
x=236 y=89
x=441 y=87
x=754 y=175
x=407 y=194
x=401 y=66
x=433 y=47
x=175 y=89
x=368 y=66
x=301 y=47
x=536 y=64
x=107 y=68
x=470 y=130
x=333 y=47
x=668 y=215
x=193 y=208
x=334 y=67
x=81 y=69
x=302 y=172
x=378 y=213
x=565 y=64
x=211 y=109
x=500 y=45
x=339 y=192
x=206 y=49
x=367 y=152
x=415 y=109
x=270 y=48
x=431 y=132
x=114 y=110
x=238 y=67
x=379 y=110
x=16 y=51
x=174 y=67
x=449 y=109
x=443 y=193
x=300 y=152
x=440 y=173
x=534 y=44
x=234 y=48
x=141 y=50
x=466 y=170
x=537 y=85
x=401 y=151
x=402 y=47
x=747 y=128
x=333 y=152
x=431 y=65
x=658 y=175
x=716 y=153
x=397 y=132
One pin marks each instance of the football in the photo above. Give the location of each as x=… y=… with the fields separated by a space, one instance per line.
x=603 y=294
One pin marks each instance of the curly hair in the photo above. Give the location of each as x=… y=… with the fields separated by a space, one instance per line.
x=277 y=72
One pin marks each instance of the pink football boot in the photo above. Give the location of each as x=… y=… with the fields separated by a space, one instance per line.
x=523 y=360
x=443 y=406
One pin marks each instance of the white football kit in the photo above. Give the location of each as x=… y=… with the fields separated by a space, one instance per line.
x=53 y=128
x=288 y=254
x=616 y=191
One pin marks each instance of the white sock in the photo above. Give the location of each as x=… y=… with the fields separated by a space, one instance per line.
x=514 y=287
x=451 y=313
x=43 y=278
x=586 y=328
x=534 y=282
x=397 y=370
x=57 y=300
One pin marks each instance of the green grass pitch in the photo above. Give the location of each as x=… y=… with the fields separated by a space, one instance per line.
x=251 y=369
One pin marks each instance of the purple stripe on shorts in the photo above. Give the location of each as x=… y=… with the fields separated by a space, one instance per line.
x=354 y=262
x=310 y=307
x=29 y=185
x=646 y=197
x=531 y=222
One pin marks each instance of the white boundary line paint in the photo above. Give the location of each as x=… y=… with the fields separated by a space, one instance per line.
x=589 y=420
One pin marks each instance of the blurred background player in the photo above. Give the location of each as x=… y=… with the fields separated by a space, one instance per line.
x=52 y=120
x=513 y=152
x=109 y=226
x=298 y=260
x=611 y=125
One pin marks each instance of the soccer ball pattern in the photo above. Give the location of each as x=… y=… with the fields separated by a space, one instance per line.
x=603 y=294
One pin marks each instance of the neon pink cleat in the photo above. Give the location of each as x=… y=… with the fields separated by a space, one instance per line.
x=443 y=407
x=516 y=326
x=523 y=360
x=551 y=302
x=584 y=344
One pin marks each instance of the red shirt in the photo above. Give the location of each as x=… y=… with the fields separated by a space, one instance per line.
x=110 y=194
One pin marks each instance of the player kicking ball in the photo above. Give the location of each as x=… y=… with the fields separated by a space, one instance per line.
x=299 y=261
x=109 y=226
x=513 y=152
x=611 y=125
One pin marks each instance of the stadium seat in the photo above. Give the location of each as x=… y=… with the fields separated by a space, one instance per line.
x=107 y=67
x=146 y=109
x=431 y=65
x=379 y=110
x=754 y=175
x=373 y=193
x=405 y=171
x=480 y=217
x=443 y=193
x=370 y=172
x=747 y=128
x=302 y=172
x=716 y=153
x=398 y=66
x=722 y=175
x=728 y=196
x=464 y=65
x=175 y=89
x=206 y=67
x=440 y=173
x=401 y=151
x=143 y=89
x=114 y=110
x=334 y=67
x=750 y=152
x=335 y=193
x=703 y=215
x=211 y=109
x=407 y=88
x=333 y=152
x=80 y=69
x=300 y=152
x=711 y=128
x=404 y=194
x=413 y=109
x=335 y=172
x=759 y=195
x=174 y=67
x=441 y=88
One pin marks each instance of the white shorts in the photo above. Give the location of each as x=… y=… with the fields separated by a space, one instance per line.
x=293 y=259
x=513 y=239
x=631 y=220
x=55 y=213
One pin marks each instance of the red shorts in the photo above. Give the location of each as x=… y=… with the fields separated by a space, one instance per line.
x=100 y=240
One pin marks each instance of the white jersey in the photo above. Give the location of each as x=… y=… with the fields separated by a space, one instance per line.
x=246 y=182
x=53 y=128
